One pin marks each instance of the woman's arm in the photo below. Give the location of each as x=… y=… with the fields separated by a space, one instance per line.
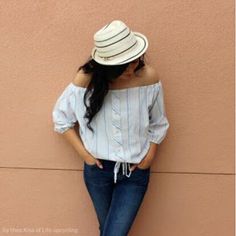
x=64 y=119
x=75 y=140
x=148 y=159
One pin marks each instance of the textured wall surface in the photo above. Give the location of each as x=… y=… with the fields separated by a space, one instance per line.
x=191 y=45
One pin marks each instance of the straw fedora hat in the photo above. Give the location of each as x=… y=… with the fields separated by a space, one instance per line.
x=116 y=44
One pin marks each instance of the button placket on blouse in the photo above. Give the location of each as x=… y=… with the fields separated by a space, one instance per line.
x=116 y=125
x=117 y=136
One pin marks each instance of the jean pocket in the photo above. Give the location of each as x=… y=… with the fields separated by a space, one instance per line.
x=90 y=165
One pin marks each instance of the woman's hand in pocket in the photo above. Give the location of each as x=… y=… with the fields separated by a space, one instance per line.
x=142 y=165
x=146 y=162
x=90 y=160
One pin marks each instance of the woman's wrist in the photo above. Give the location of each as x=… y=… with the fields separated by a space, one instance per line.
x=88 y=158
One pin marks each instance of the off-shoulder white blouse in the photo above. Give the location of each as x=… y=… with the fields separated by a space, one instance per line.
x=128 y=121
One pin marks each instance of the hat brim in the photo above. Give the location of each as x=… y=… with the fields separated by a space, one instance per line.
x=142 y=45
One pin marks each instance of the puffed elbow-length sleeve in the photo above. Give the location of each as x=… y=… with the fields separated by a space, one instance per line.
x=63 y=114
x=158 y=122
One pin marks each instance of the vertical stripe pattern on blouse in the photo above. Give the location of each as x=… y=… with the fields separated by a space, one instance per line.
x=129 y=120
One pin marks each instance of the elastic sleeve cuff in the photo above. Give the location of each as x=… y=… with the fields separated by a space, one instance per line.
x=62 y=129
x=158 y=136
x=154 y=139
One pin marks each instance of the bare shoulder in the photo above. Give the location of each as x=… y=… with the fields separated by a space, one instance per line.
x=81 y=79
x=150 y=75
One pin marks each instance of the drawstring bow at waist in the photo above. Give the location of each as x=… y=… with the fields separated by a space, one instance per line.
x=124 y=167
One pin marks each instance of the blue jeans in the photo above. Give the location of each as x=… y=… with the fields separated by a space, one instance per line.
x=116 y=204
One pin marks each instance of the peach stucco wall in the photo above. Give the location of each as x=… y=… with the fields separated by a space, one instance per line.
x=43 y=43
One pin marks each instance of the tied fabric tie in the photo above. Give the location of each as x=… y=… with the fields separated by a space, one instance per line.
x=117 y=167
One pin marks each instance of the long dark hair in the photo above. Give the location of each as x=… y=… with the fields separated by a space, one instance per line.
x=102 y=76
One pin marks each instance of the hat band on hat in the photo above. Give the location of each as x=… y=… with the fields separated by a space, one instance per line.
x=117 y=54
x=124 y=38
x=112 y=43
x=117 y=48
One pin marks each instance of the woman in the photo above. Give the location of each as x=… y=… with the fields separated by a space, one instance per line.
x=119 y=105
